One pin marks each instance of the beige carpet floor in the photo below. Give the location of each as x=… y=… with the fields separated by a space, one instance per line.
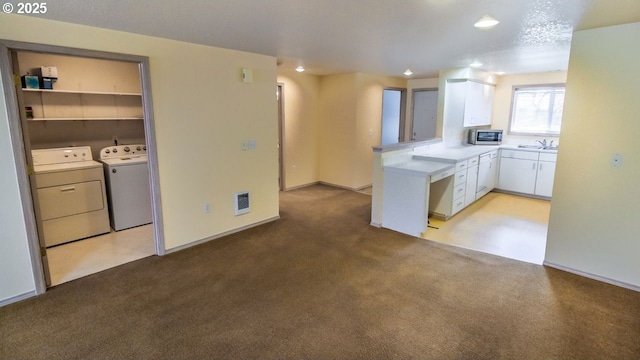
x=320 y=283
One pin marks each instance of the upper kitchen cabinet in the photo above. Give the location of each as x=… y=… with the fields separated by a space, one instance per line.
x=469 y=102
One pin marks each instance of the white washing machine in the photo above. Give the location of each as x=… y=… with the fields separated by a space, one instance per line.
x=127 y=175
x=71 y=194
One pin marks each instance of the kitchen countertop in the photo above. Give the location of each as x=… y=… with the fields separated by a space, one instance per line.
x=456 y=154
x=515 y=147
x=420 y=167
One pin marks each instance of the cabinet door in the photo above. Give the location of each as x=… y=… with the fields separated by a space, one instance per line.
x=492 y=177
x=484 y=178
x=544 y=180
x=518 y=175
x=478 y=104
x=472 y=180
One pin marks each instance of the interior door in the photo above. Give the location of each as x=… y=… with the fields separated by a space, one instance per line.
x=392 y=115
x=424 y=114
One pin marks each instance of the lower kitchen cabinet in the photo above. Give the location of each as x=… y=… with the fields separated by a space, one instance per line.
x=527 y=172
x=546 y=174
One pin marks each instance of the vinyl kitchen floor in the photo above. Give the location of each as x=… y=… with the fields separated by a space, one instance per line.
x=501 y=224
x=84 y=257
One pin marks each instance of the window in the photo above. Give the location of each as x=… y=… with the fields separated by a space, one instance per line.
x=537 y=110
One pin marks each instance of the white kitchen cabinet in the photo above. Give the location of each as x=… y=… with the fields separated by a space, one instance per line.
x=546 y=174
x=518 y=171
x=468 y=102
x=527 y=172
x=472 y=181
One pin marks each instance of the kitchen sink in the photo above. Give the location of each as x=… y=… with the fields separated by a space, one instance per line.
x=539 y=147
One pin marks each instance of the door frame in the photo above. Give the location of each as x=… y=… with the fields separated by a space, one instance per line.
x=413 y=105
x=24 y=164
x=281 y=133
x=403 y=106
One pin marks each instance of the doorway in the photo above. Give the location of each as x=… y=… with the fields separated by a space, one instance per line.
x=20 y=121
x=393 y=104
x=424 y=114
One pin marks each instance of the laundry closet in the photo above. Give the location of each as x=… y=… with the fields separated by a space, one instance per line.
x=84 y=126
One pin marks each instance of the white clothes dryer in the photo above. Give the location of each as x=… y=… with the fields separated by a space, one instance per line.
x=71 y=194
x=127 y=175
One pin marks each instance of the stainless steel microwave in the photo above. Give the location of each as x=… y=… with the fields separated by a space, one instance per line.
x=485 y=137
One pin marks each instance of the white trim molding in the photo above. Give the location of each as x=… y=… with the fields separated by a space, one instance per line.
x=593 y=276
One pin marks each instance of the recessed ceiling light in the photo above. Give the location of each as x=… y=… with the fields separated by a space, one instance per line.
x=486 y=22
x=300 y=68
x=476 y=64
x=408 y=72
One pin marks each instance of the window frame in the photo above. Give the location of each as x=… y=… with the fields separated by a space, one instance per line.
x=514 y=89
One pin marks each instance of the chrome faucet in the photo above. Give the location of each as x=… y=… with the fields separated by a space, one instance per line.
x=543 y=143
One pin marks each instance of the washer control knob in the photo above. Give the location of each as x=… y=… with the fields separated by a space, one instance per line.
x=144 y=148
x=107 y=151
x=115 y=150
x=114 y=171
x=138 y=148
x=126 y=149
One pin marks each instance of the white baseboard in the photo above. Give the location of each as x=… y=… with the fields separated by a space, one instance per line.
x=302 y=186
x=202 y=241
x=374 y=224
x=592 y=276
x=17 y=298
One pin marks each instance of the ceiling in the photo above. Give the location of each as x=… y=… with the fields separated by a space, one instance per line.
x=382 y=37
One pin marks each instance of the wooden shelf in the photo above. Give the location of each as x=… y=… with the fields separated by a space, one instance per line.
x=81 y=92
x=90 y=119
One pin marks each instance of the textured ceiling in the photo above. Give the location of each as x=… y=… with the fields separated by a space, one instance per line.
x=373 y=36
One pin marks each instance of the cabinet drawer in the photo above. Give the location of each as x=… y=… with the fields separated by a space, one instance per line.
x=442 y=175
x=473 y=161
x=458 y=204
x=461 y=178
x=548 y=157
x=461 y=165
x=459 y=190
x=516 y=154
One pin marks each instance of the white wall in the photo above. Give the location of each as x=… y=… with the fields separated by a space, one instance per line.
x=203 y=113
x=594 y=224
x=301 y=121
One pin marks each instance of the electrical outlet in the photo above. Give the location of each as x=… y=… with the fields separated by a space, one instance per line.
x=206 y=208
x=245 y=146
x=252 y=144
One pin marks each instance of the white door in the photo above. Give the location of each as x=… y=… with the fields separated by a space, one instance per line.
x=392 y=104
x=424 y=115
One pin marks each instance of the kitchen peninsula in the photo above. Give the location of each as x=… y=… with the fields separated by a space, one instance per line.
x=413 y=180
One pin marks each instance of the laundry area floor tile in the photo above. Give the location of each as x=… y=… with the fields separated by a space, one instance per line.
x=84 y=257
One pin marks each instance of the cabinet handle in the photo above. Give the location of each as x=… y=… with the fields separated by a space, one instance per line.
x=540 y=167
x=68 y=189
x=534 y=166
